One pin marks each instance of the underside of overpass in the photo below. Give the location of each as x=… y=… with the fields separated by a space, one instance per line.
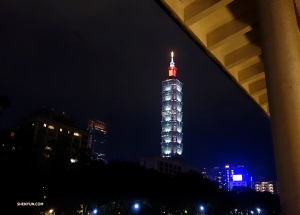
x=228 y=30
x=256 y=42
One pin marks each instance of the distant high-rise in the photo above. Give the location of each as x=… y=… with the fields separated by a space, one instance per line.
x=266 y=186
x=171 y=134
x=168 y=166
x=49 y=134
x=98 y=132
x=229 y=177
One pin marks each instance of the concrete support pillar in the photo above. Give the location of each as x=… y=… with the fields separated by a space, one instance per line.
x=281 y=55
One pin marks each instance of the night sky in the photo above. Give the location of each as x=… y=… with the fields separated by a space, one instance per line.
x=106 y=60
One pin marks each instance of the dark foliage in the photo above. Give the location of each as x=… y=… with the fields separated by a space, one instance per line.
x=115 y=186
x=4 y=101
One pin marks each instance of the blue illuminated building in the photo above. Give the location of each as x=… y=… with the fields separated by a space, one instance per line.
x=171 y=134
x=229 y=177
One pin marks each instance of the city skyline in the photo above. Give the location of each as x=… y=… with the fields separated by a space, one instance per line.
x=98 y=60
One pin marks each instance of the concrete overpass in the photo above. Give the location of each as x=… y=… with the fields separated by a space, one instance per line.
x=257 y=43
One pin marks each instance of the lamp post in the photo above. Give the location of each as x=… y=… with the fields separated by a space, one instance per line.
x=201 y=209
x=51 y=211
x=258 y=211
x=136 y=207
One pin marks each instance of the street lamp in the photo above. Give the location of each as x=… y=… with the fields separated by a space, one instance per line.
x=136 y=207
x=95 y=211
x=52 y=211
x=201 y=209
x=258 y=210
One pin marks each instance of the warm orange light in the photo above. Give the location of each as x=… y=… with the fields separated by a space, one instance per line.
x=97 y=125
x=76 y=134
x=172 y=54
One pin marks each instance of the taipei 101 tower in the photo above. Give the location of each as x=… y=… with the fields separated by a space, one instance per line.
x=171 y=134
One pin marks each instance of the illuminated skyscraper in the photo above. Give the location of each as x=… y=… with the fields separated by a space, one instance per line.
x=98 y=132
x=171 y=134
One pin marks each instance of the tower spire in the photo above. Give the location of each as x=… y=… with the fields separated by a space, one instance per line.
x=172 y=62
x=172 y=67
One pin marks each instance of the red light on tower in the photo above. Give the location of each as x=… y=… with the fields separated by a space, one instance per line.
x=172 y=68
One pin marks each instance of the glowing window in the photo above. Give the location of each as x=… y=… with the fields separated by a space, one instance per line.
x=51 y=127
x=76 y=134
x=60 y=129
x=45 y=125
x=12 y=134
x=69 y=132
x=73 y=160
x=32 y=124
x=48 y=148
